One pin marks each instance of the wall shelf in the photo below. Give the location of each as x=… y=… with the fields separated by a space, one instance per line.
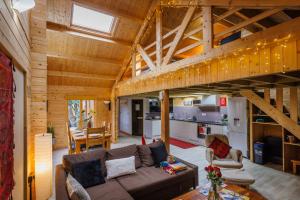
x=267 y=123
x=294 y=144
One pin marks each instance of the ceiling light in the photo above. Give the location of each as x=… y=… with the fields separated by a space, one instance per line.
x=23 y=5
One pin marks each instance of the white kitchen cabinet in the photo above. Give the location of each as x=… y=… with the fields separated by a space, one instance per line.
x=186 y=131
x=152 y=128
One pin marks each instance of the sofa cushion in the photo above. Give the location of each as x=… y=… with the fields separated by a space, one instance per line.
x=111 y=190
x=150 y=179
x=159 y=154
x=120 y=167
x=125 y=152
x=221 y=149
x=88 y=173
x=69 y=160
x=75 y=190
x=145 y=155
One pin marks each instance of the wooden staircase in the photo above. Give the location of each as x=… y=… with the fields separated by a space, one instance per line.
x=282 y=122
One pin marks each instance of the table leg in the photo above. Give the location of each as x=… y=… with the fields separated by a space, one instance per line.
x=294 y=168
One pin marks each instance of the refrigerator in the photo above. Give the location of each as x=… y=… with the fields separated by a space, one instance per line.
x=237 y=124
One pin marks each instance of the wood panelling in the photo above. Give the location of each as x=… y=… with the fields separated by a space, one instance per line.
x=38 y=63
x=57 y=107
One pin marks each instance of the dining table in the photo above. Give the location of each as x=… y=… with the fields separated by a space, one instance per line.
x=79 y=138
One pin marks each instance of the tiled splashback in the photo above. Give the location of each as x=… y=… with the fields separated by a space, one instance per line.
x=186 y=112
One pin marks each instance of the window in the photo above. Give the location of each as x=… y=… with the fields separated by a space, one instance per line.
x=92 y=20
x=80 y=112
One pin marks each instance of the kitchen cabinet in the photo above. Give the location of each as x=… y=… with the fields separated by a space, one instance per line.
x=152 y=128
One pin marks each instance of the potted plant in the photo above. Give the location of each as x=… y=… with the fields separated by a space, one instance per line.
x=50 y=129
x=214 y=175
x=88 y=119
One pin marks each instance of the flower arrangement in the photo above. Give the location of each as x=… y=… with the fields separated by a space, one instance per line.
x=88 y=119
x=214 y=175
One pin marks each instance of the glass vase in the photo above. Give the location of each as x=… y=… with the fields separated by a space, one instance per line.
x=213 y=193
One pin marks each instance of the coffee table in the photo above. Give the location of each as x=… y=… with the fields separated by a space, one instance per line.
x=196 y=195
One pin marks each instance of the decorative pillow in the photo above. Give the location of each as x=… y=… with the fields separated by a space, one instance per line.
x=220 y=148
x=159 y=154
x=88 y=173
x=145 y=155
x=70 y=160
x=125 y=152
x=75 y=190
x=119 y=167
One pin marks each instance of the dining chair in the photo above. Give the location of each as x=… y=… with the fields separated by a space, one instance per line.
x=71 y=145
x=95 y=137
x=108 y=128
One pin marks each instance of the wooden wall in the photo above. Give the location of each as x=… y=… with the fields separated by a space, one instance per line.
x=15 y=42
x=57 y=107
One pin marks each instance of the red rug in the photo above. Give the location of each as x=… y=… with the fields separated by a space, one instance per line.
x=181 y=144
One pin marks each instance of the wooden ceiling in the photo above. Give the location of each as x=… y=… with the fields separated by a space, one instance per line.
x=83 y=59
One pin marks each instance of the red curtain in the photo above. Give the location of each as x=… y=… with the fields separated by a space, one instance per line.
x=6 y=127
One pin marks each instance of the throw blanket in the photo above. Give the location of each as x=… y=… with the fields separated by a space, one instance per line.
x=6 y=127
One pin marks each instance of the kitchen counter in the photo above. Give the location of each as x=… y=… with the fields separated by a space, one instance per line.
x=203 y=122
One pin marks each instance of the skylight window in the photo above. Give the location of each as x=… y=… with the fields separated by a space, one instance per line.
x=91 y=19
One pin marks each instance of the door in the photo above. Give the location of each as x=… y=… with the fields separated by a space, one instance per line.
x=19 y=137
x=137 y=117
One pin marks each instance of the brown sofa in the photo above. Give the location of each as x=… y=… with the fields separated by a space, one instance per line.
x=147 y=183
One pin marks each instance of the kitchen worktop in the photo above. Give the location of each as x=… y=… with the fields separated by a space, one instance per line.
x=198 y=121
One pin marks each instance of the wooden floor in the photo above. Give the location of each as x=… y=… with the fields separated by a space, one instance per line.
x=270 y=183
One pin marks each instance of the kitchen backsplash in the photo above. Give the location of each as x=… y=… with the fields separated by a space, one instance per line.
x=188 y=112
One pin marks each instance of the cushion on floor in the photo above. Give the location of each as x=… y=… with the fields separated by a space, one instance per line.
x=227 y=163
x=111 y=190
x=125 y=152
x=150 y=179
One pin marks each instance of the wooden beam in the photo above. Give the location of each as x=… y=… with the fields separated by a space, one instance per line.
x=187 y=18
x=274 y=113
x=145 y=56
x=171 y=32
x=158 y=37
x=80 y=75
x=114 y=12
x=226 y=14
x=279 y=99
x=294 y=103
x=83 y=58
x=86 y=34
x=165 y=119
x=133 y=58
x=231 y=3
x=249 y=21
x=267 y=95
x=147 y=19
x=207 y=29
x=247 y=18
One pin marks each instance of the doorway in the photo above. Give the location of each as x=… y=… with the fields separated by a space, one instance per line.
x=137 y=117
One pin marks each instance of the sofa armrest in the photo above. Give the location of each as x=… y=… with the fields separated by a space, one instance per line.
x=195 y=169
x=61 y=192
x=209 y=155
x=236 y=155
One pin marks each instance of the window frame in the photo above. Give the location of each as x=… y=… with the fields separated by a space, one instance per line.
x=90 y=30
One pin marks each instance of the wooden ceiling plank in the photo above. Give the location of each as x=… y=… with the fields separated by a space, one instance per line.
x=83 y=58
x=146 y=57
x=133 y=71
x=113 y=12
x=187 y=18
x=86 y=34
x=80 y=75
x=208 y=33
x=249 y=21
x=232 y=3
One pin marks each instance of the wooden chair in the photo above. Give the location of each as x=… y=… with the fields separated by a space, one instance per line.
x=94 y=142
x=108 y=128
x=71 y=145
